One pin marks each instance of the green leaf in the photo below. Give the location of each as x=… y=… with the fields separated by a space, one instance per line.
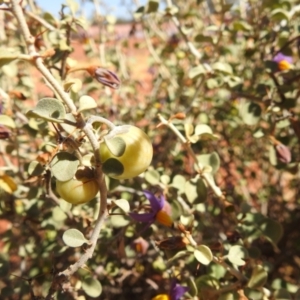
x=229 y=296
x=171 y=10
x=195 y=190
x=272 y=230
x=237 y=255
x=205 y=132
x=207 y=282
x=152 y=176
x=49 y=109
x=212 y=83
x=123 y=204
x=118 y=219
x=35 y=168
x=193 y=290
x=86 y=103
x=7 y=121
x=241 y=26
x=200 y=38
x=6 y=57
x=196 y=71
x=212 y=160
x=282 y=294
x=73 y=5
x=258 y=277
x=10 y=70
x=279 y=15
x=73 y=84
x=64 y=166
x=203 y=254
x=178 y=255
x=222 y=67
x=178 y=182
x=92 y=287
x=74 y=238
x=139 y=12
x=250 y=112
x=152 y=6
x=67 y=127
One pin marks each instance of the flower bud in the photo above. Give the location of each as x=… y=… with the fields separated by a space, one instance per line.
x=104 y=76
x=283 y=153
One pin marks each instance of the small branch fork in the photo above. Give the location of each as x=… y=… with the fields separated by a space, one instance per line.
x=61 y=278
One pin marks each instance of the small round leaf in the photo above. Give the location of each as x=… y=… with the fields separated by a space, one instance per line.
x=7 y=121
x=49 y=109
x=86 y=103
x=211 y=159
x=74 y=238
x=258 y=278
x=237 y=255
x=64 y=166
x=35 y=168
x=272 y=230
x=92 y=287
x=203 y=254
x=123 y=204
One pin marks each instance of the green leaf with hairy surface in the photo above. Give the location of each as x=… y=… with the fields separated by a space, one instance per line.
x=152 y=6
x=196 y=71
x=86 y=103
x=92 y=287
x=118 y=219
x=35 y=168
x=187 y=220
x=272 y=230
x=7 y=121
x=123 y=204
x=229 y=296
x=178 y=182
x=237 y=255
x=73 y=84
x=205 y=132
x=222 y=67
x=282 y=294
x=207 y=282
x=195 y=190
x=279 y=14
x=7 y=57
x=201 y=38
x=152 y=176
x=178 y=255
x=212 y=160
x=73 y=5
x=250 y=112
x=74 y=238
x=193 y=290
x=64 y=166
x=258 y=277
x=49 y=109
x=203 y=254
x=139 y=12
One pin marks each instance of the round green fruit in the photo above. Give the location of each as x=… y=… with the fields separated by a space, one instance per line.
x=125 y=152
x=77 y=191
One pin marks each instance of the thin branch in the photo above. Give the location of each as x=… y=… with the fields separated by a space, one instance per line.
x=87 y=128
x=199 y=168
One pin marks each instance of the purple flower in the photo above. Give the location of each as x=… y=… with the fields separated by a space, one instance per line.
x=284 y=62
x=157 y=213
x=177 y=290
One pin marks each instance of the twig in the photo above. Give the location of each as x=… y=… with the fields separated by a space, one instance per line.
x=86 y=128
x=199 y=168
x=189 y=44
